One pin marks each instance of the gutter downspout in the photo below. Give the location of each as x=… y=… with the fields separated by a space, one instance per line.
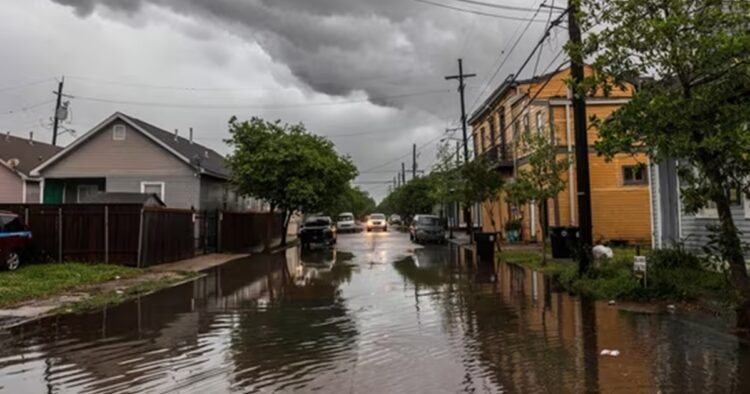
x=571 y=190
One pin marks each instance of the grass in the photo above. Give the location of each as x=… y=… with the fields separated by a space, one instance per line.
x=101 y=300
x=45 y=280
x=674 y=275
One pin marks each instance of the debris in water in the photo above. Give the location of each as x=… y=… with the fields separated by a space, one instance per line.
x=611 y=302
x=607 y=352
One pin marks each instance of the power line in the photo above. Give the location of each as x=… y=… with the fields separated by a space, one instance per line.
x=246 y=106
x=419 y=148
x=27 y=107
x=499 y=6
x=487 y=83
x=25 y=85
x=475 y=12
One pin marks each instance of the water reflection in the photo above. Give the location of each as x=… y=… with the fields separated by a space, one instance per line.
x=430 y=320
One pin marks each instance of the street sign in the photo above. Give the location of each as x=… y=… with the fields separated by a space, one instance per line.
x=640 y=268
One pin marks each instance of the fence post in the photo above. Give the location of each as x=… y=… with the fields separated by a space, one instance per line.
x=219 y=219
x=106 y=233
x=140 y=240
x=59 y=235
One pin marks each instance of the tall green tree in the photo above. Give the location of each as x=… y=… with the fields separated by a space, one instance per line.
x=480 y=182
x=415 y=197
x=285 y=165
x=353 y=200
x=695 y=110
x=541 y=179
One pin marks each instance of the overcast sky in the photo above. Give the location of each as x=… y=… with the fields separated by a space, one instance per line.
x=367 y=73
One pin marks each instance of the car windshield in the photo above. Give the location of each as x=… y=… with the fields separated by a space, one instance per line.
x=428 y=221
x=346 y=218
x=377 y=216
x=10 y=224
x=318 y=221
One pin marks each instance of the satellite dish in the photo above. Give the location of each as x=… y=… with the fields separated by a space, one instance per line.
x=13 y=163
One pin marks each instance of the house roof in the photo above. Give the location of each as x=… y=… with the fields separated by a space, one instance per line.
x=24 y=154
x=123 y=198
x=202 y=159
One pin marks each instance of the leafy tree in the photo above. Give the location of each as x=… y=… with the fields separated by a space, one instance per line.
x=542 y=179
x=286 y=166
x=446 y=177
x=481 y=182
x=415 y=197
x=353 y=200
x=695 y=110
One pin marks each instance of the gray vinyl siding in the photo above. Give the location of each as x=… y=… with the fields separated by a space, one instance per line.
x=102 y=157
x=11 y=186
x=32 y=192
x=180 y=191
x=695 y=233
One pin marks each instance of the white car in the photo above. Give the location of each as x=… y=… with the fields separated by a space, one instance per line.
x=377 y=221
x=345 y=222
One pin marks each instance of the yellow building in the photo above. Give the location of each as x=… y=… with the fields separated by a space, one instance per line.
x=619 y=188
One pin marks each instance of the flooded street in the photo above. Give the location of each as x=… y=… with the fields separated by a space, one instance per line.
x=377 y=315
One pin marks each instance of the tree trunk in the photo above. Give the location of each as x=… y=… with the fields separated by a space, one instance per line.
x=467 y=219
x=544 y=231
x=285 y=226
x=730 y=246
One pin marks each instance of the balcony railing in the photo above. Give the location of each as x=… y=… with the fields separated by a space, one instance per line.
x=500 y=154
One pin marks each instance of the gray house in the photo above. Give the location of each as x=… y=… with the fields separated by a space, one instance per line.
x=670 y=224
x=123 y=154
x=18 y=156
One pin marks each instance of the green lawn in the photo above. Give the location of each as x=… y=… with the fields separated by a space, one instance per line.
x=44 y=280
x=673 y=275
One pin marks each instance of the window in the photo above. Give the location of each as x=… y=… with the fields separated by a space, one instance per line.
x=85 y=192
x=634 y=175
x=526 y=122
x=539 y=124
x=10 y=224
x=118 y=132
x=153 y=188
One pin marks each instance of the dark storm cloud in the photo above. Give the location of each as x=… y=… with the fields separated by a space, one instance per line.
x=382 y=47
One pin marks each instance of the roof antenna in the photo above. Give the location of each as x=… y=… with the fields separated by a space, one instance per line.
x=176 y=131
x=31 y=138
x=7 y=136
x=191 y=135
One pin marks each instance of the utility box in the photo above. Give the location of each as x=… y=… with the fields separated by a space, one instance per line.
x=564 y=241
x=485 y=244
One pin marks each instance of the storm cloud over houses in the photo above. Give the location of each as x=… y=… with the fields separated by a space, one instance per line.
x=369 y=74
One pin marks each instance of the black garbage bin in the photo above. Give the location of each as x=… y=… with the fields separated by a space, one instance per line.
x=485 y=244
x=564 y=241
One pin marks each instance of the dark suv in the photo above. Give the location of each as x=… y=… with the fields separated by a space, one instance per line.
x=317 y=230
x=15 y=239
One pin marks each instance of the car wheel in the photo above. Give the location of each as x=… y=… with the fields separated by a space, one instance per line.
x=13 y=261
x=385 y=229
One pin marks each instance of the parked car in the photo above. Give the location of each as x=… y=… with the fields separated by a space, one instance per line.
x=377 y=221
x=427 y=228
x=345 y=223
x=317 y=230
x=15 y=240
x=395 y=220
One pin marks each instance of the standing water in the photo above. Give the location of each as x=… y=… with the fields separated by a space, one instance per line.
x=376 y=315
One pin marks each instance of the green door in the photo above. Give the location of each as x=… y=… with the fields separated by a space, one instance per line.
x=53 y=191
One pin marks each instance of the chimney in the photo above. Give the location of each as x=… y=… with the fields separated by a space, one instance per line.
x=7 y=136
x=206 y=154
x=31 y=138
x=176 y=131
x=191 y=135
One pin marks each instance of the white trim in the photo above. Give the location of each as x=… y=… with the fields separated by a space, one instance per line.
x=23 y=191
x=747 y=207
x=654 y=191
x=592 y=101
x=155 y=183
x=99 y=127
x=679 y=210
x=41 y=191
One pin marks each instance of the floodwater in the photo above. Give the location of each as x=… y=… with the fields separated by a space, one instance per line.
x=374 y=316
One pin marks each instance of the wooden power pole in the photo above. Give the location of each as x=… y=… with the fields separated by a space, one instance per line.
x=583 y=181
x=56 y=117
x=461 y=85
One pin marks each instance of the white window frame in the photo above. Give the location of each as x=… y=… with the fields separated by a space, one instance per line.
x=539 y=122
x=116 y=130
x=161 y=184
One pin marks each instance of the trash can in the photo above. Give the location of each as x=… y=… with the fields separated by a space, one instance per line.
x=564 y=241
x=485 y=244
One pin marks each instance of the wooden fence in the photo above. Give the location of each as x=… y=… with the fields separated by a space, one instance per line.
x=247 y=231
x=126 y=234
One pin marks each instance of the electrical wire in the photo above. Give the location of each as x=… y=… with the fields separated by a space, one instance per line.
x=246 y=106
x=25 y=85
x=475 y=12
x=27 y=108
x=499 y=6
x=419 y=148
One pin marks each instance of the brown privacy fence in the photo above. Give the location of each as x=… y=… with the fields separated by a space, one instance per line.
x=246 y=231
x=130 y=234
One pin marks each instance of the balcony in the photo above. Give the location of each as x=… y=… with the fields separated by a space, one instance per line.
x=501 y=155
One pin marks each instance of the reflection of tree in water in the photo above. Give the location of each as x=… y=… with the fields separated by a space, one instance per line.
x=305 y=327
x=511 y=347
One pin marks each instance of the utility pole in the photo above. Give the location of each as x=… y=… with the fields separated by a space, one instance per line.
x=461 y=76
x=56 y=117
x=583 y=181
x=403 y=173
x=413 y=161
